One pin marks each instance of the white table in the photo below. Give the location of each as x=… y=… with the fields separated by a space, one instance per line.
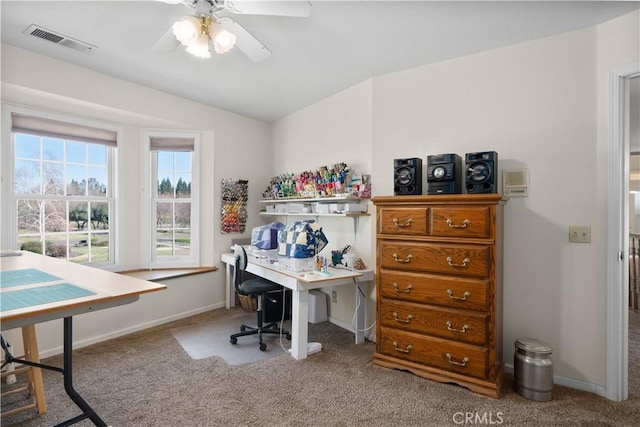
x=106 y=290
x=301 y=283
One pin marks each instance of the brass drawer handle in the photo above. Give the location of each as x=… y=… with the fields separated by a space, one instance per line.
x=453 y=362
x=463 y=225
x=406 y=261
x=406 y=291
x=449 y=328
x=452 y=264
x=464 y=296
x=406 y=224
x=407 y=320
x=406 y=350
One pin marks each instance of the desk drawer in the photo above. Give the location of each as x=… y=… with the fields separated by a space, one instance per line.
x=460 y=292
x=452 y=356
x=456 y=325
x=460 y=222
x=466 y=260
x=407 y=221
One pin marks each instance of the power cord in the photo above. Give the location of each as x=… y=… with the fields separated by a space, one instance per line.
x=284 y=307
x=353 y=320
x=284 y=310
x=355 y=312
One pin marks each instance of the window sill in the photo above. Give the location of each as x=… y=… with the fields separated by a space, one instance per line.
x=158 y=274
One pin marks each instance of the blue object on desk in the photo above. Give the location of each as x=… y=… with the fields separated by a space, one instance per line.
x=266 y=236
x=301 y=239
x=27 y=276
x=42 y=295
x=336 y=257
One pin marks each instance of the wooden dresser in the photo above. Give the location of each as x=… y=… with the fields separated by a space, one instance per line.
x=439 y=288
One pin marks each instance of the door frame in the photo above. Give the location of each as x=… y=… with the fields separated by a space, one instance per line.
x=617 y=235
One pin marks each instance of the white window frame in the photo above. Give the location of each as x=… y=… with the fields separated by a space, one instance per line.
x=8 y=198
x=148 y=211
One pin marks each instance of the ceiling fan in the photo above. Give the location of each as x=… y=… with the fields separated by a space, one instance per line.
x=207 y=29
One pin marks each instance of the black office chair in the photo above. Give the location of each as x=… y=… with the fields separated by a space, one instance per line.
x=258 y=288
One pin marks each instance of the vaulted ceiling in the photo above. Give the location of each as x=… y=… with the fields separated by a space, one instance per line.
x=340 y=44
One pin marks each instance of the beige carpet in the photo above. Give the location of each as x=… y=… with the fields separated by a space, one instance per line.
x=212 y=340
x=148 y=379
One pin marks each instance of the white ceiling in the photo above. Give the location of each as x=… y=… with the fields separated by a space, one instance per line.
x=341 y=44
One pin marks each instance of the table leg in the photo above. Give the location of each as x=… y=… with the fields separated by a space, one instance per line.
x=230 y=292
x=299 y=324
x=34 y=374
x=88 y=412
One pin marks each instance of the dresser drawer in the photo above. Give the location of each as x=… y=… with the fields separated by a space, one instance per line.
x=472 y=294
x=466 y=260
x=456 y=325
x=408 y=221
x=460 y=221
x=452 y=356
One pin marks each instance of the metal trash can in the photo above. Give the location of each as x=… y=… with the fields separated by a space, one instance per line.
x=533 y=369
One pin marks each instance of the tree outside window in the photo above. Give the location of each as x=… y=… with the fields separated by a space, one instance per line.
x=173 y=203
x=62 y=193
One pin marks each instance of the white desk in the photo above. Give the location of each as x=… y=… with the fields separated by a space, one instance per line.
x=300 y=283
x=106 y=290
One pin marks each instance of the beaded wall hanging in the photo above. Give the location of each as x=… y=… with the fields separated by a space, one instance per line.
x=234 y=196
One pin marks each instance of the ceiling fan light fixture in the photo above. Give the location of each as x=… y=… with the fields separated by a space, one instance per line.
x=186 y=30
x=223 y=32
x=200 y=47
x=199 y=33
x=223 y=40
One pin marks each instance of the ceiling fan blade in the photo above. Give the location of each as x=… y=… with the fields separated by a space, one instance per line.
x=299 y=8
x=245 y=41
x=167 y=42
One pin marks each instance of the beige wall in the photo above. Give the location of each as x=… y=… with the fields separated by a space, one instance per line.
x=42 y=83
x=534 y=104
x=337 y=129
x=541 y=105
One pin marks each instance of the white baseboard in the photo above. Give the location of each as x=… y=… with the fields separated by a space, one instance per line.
x=134 y=328
x=349 y=327
x=569 y=382
x=342 y=324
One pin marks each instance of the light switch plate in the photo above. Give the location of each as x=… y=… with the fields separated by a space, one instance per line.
x=580 y=234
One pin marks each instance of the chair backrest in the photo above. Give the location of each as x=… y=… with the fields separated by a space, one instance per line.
x=241 y=263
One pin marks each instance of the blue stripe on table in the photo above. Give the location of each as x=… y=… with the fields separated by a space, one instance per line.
x=21 y=298
x=28 y=276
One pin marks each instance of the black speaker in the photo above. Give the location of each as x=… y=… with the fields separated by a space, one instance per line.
x=481 y=171
x=407 y=176
x=444 y=174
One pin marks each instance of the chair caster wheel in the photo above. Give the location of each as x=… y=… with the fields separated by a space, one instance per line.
x=288 y=337
x=233 y=340
x=263 y=346
x=242 y=328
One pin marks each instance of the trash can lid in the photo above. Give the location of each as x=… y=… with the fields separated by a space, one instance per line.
x=534 y=345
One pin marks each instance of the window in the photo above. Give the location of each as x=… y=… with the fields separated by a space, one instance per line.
x=174 y=200
x=62 y=189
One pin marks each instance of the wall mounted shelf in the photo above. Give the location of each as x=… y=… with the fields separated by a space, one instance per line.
x=350 y=214
x=316 y=206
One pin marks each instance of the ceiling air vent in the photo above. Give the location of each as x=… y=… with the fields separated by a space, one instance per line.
x=43 y=33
